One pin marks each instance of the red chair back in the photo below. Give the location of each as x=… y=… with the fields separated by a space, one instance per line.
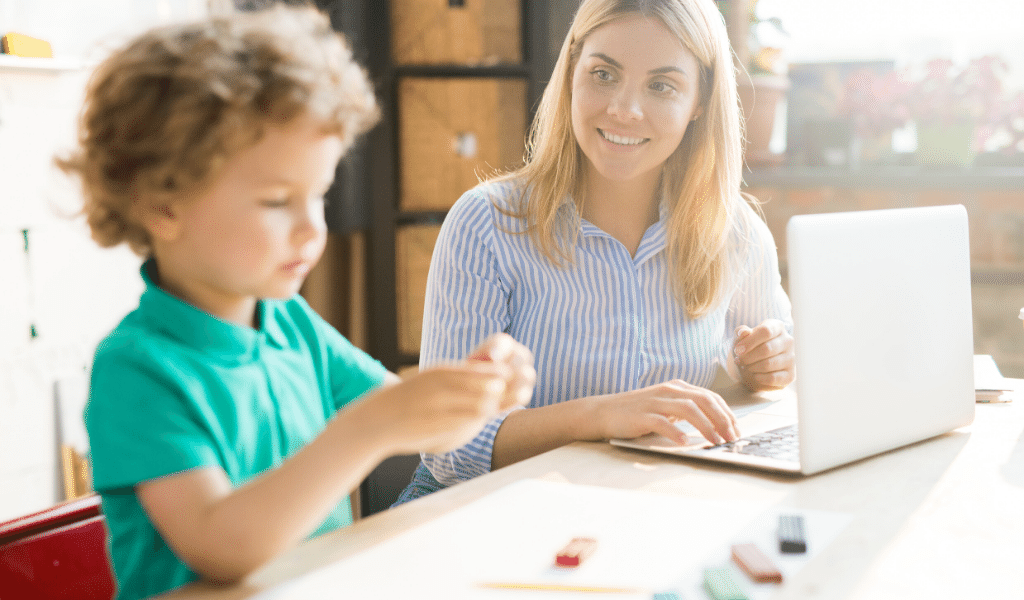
x=56 y=554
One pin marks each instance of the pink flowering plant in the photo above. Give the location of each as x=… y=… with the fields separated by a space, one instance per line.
x=941 y=95
x=874 y=102
x=1010 y=124
x=947 y=95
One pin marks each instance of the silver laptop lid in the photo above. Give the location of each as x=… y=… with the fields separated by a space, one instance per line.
x=882 y=328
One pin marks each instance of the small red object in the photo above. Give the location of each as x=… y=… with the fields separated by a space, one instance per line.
x=57 y=554
x=575 y=552
x=756 y=563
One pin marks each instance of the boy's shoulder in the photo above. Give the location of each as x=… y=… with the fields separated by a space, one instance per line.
x=132 y=362
x=133 y=336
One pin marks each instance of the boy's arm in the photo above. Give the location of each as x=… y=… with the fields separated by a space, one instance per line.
x=224 y=533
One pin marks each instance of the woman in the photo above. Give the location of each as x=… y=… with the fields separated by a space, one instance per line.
x=622 y=254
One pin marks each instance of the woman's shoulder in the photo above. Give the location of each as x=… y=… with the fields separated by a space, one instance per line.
x=491 y=203
x=749 y=225
x=752 y=245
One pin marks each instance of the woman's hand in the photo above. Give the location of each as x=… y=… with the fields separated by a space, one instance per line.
x=764 y=356
x=655 y=409
x=444 y=407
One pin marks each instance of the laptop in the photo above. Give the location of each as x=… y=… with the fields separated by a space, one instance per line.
x=883 y=337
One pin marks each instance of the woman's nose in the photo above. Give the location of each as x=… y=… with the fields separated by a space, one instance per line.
x=625 y=104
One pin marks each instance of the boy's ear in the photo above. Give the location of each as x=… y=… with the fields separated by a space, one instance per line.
x=162 y=220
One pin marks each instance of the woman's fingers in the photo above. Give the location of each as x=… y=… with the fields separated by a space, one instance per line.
x=702 y=422
x=772 y=379
x=665 y=427
x=777 y=362
x=765 y=340
x=702 y=408
x=765 y=355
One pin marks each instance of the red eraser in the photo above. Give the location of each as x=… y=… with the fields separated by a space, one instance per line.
x=755 y=563
x=575 y=552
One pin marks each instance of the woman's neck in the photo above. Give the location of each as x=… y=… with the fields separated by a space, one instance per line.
x=622 y=209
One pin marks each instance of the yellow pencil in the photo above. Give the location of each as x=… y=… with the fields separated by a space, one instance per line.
x=560 y=587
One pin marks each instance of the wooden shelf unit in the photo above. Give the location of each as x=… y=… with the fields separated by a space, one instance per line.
x=392 y=212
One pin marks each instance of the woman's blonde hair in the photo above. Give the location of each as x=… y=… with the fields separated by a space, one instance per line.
x=701 y=179
x=163 y=114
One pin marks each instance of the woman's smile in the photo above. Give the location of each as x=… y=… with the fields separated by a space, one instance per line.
x=622 y=140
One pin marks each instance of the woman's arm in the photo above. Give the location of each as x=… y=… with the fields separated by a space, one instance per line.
x=466 y=299
x=760 y=315
x=652 y=409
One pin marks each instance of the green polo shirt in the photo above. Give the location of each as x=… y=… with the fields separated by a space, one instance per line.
x=174 y=388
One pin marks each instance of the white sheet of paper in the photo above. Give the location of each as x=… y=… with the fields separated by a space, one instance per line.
x=987 y=375
x=648 y=541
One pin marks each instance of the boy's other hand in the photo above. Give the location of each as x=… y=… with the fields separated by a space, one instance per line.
x=445 y=406
x=501 y=349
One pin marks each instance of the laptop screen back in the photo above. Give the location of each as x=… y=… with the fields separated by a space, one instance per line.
x=882 y=327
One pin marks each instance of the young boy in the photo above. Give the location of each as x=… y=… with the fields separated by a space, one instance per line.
x=227 y=421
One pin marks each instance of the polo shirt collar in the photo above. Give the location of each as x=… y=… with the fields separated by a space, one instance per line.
x=201 y=330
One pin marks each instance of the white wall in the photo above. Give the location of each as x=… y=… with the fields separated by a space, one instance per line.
x=910 y=32
x=64 y=287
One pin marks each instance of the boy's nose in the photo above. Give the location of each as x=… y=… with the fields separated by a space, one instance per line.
x=311 y=222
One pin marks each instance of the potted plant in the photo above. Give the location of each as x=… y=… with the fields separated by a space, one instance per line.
x=874 y=104
x=762 y=82
x=1005 y=136
x=952 y=108
x=956 y=111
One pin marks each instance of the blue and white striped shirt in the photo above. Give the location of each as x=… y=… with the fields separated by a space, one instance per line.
x=609 y=323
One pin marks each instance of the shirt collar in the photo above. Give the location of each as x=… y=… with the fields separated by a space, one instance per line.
x=192 y=326
x=587 y=228
x=653 y=240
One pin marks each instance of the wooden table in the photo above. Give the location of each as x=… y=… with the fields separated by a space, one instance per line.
x=943 y=518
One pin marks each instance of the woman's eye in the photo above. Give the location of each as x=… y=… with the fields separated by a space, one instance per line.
x=661 y=87
x=602 y=75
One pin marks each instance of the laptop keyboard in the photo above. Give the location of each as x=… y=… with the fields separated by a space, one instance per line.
x=781 y=444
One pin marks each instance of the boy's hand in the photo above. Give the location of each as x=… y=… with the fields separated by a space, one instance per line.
x=444 y=407
x=502 y=349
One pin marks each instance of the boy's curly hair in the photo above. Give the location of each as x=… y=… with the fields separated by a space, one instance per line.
x=163 y=114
